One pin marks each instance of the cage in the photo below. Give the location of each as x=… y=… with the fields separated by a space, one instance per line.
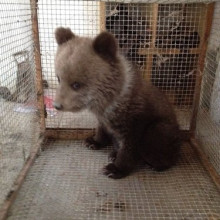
x=45 y=170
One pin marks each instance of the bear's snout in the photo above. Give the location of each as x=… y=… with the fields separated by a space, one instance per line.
x=57 y=106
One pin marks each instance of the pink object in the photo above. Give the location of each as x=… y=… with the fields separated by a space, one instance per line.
x=48 y=101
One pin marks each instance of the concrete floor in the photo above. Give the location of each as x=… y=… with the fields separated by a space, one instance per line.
x=66 y=183
x=19 y=132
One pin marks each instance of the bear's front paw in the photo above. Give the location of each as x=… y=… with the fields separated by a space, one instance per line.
x=113 y=172
x=113 y=155
x=92 y=144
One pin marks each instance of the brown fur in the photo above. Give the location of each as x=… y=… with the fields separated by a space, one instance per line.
x=133 y=116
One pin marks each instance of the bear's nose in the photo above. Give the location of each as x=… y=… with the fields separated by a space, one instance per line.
x=57 y=106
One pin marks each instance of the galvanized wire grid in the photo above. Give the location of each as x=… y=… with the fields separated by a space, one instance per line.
x=18 y=122
x=83 y=18
x=179 y=28
x=66 y=183
x=163 y=46
x=208 y=122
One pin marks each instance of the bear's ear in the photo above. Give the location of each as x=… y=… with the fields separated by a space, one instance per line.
x=62 y=35
x=105 y=45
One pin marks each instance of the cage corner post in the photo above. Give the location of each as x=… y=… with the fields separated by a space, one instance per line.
x=201 y=64
x=37 y=57
x=150 y=55
x=102 y=16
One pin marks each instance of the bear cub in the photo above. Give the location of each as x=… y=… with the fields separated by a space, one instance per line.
x=134 y=116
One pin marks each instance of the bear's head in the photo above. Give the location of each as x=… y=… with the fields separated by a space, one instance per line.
x=89 y=71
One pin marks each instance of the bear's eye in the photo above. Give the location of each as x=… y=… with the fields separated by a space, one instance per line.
x=75 y=86
x=58 y=78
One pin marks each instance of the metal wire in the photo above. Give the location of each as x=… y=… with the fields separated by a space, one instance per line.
x=164 y=45
x=83 y=18
x=66 y=183
x=208 y=122
x=18 y=127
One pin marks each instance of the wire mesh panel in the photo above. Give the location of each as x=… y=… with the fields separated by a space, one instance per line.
x=208 y=122
x=83 y=17
x=18 y=121
x=162 y=41
x=73 y=187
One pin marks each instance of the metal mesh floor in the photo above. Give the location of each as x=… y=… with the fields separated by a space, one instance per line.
x=65 y=182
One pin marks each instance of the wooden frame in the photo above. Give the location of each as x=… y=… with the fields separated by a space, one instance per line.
x=152 y=49
x=78 y=133
x=201 y=51
x=69 y=134
x=37 y=57
x=102 y=15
